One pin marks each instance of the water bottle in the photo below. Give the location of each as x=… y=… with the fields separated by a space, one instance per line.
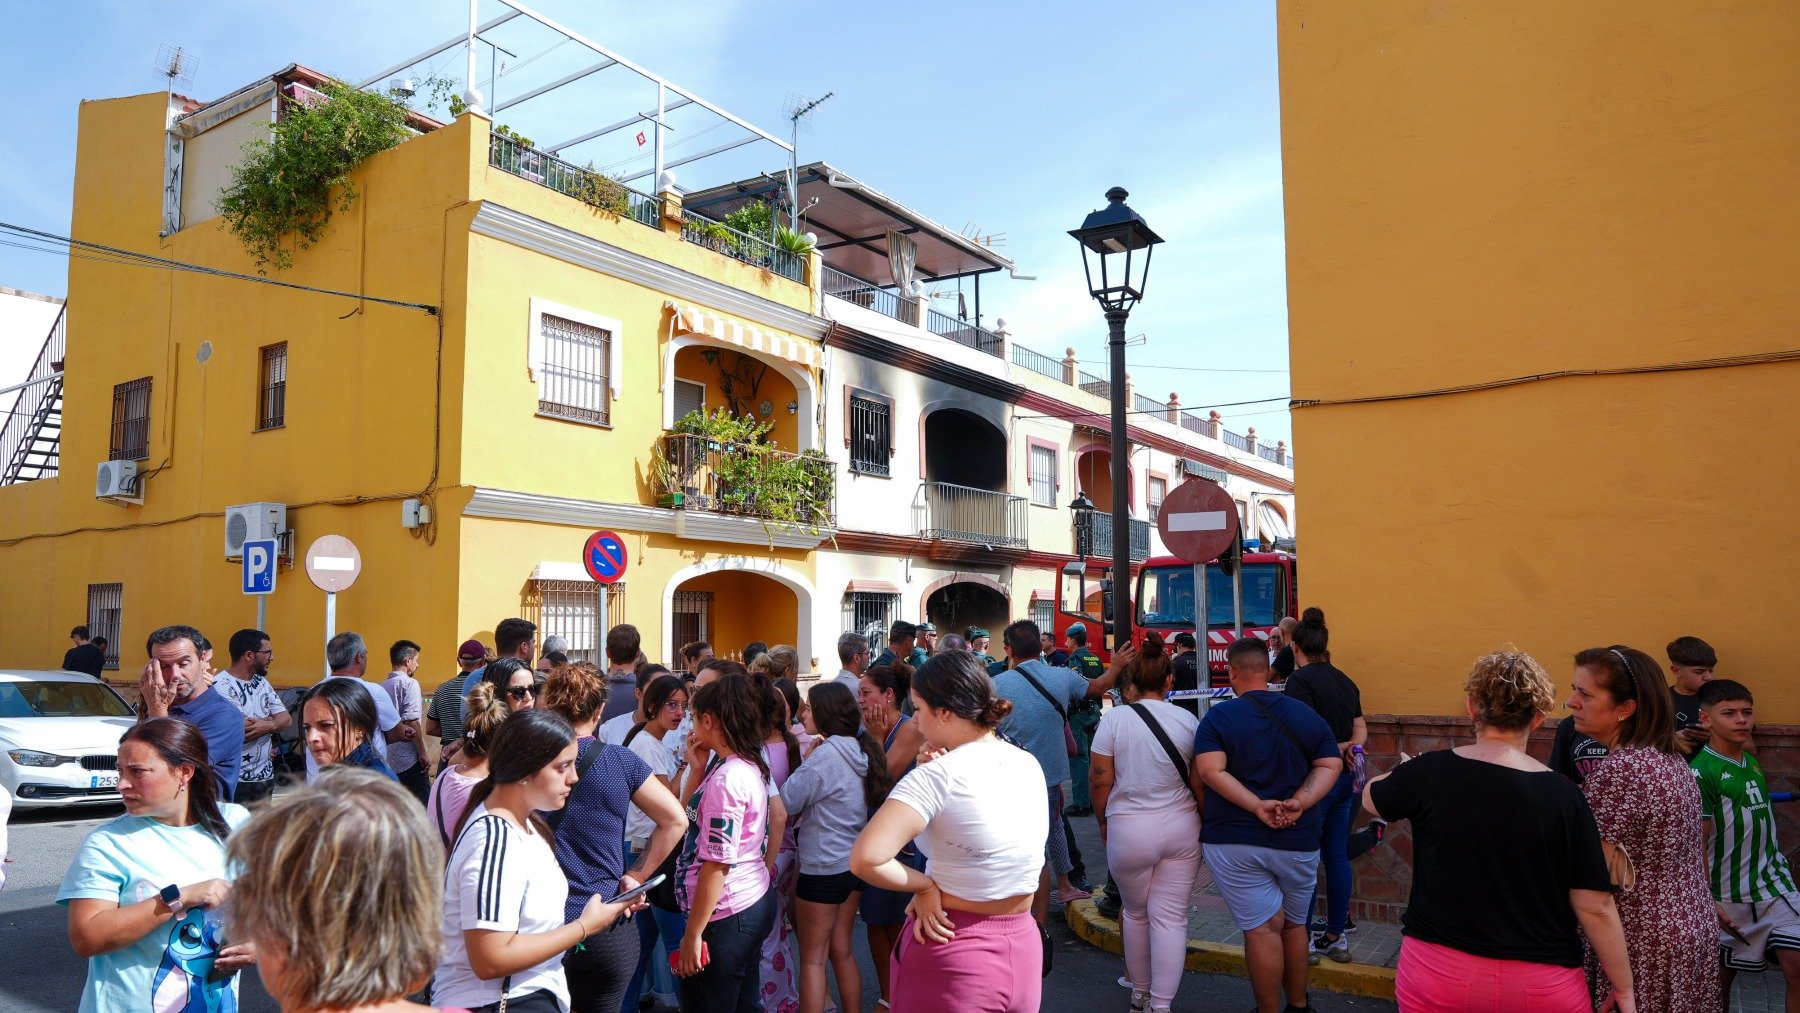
x=1359 y=769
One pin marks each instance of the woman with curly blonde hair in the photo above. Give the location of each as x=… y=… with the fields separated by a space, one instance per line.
x=1506 y=864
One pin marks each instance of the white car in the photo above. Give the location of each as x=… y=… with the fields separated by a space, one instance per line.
x=59 y=738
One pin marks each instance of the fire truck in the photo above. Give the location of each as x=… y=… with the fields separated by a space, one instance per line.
x=1164 y=602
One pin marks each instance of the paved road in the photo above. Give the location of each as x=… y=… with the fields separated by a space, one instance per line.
x=40 y=974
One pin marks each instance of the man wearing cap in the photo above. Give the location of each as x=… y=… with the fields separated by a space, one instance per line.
x=901 y=637
x=445 y=718
x=1084 y=717
x=926 y=645
x=978 y=643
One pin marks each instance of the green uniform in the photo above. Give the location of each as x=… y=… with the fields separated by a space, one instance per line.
x=1084 y=718
x=1744 y=863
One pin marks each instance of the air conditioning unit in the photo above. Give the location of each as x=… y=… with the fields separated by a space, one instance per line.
x=252 y=522
x=117 y=482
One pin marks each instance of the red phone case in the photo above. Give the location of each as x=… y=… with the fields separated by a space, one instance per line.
x=675 y=958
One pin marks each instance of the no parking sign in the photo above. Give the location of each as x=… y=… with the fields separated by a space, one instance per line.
x=604 y=557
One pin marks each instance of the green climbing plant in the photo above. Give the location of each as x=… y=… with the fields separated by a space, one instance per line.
x=283 y=194
x=749 y=475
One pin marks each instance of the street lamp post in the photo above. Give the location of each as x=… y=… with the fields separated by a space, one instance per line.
x=1118 y=241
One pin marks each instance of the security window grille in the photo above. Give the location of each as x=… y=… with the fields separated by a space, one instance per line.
x=131 y=420
x=1158 y=490
x=871 y=435
x=1043 y=476
x=864 y=610
x=1043 y=613
x=571 y=609
x=574 y=383
x=690 y=397
x=271 y=398
x=691 y=618
x=106 y=604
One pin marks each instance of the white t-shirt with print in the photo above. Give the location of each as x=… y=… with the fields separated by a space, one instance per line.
x=985 y=819
x=1144 y=781
x=503 y=879
x=654 y=752
x=257 y=699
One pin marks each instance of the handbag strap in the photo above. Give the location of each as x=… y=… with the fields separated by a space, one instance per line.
x=581 y=772
x=1045 y=693
x=1291 y=737
x=1162 y=737
x=437 y=792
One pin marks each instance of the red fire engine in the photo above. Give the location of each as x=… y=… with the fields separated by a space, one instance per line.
x=1164 y=601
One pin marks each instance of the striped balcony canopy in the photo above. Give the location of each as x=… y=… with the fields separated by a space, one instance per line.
x=692 y=320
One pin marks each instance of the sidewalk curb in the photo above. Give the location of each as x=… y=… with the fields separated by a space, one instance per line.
x=1220 y=958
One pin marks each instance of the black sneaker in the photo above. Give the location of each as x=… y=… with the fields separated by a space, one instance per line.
x=1107 y=901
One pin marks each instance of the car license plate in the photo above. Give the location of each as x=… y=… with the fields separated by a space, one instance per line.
x=104 y=781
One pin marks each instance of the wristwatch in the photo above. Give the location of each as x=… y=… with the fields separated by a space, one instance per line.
x=171 y=895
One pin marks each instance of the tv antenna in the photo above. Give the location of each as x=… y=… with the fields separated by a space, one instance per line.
x=972 y=232
x=176 y=66
x=798 y=110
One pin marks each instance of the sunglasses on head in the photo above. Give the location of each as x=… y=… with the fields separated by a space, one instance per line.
x=521 y=692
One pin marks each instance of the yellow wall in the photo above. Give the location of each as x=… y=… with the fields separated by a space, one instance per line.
x=691 y=364
x=1483 y=191
x=748 y=607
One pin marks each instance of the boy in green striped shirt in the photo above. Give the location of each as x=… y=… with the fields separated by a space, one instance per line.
x=1752 y=886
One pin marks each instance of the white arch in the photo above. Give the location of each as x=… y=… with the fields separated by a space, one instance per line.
x=805 y=387
x=774 y=569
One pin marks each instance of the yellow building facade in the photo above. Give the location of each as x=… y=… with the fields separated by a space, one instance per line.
x=1541 y=268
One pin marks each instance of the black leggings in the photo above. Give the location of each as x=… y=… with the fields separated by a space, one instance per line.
x=600 y=970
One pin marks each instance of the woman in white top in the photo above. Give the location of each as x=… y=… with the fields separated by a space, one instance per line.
x=976 y=808
x=1150 y=824
x=504 y=931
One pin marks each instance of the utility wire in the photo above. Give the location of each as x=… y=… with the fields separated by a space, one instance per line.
x=133 y=259
x=1160 y=412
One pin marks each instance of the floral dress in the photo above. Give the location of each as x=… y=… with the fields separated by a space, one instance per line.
x=1646 y=801
x=779 y=987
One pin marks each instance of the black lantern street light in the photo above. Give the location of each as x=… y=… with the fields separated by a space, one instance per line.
x=1117 y=241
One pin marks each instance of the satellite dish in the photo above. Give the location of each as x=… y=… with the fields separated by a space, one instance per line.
x=176 y=67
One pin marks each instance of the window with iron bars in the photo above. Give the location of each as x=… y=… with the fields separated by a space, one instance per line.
x=866 y=609
x=271 y=395
x=131 y=420
x=1043 y=475
x=571 y=609
x=106 y=608
x=1043 y=613
x=574 y=383
x=690 y=618
x=1157 y=490
x=871 y=435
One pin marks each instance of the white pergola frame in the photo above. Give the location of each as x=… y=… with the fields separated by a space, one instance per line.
x=664 y=89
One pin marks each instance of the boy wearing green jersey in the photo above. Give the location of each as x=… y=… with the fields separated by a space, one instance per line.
x=1752 y=885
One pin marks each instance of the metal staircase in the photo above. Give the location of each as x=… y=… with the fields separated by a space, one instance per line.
x=31 y=438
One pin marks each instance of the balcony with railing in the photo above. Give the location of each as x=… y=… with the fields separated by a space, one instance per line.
x=757 y=252
x=960 y=513
x=31 y=436
x=782 y=489
x=965 y=333
x=886 y=301
x=1097 y=386
x=588 y=185
x=1037 y=362
x=1094 y=535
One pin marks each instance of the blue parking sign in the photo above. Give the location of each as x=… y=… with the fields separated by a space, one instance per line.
x=259 y=566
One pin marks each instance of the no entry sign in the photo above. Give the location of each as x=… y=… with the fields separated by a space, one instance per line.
x=604 y=557
x=1198 y=521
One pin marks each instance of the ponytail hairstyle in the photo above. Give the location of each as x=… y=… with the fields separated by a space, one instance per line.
x=1311 y=638
x=486 y=712
x=1149 y=672
x=781 y=661
x=736 y=703
x=1629 y=674
x=791 y=693
x=778 y=721
x=656 y=695
x=835 y=713
x=956 y=681
x=180 y=744
x=895 y=679
x=526 y=743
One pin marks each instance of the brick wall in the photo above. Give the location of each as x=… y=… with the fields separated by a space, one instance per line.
x=1384 y=875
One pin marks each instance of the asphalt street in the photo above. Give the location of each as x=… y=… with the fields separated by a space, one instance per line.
x=40 y=974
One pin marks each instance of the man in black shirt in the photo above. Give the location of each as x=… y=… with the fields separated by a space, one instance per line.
x=1186 y=666
x=84 y=656
x=1572 y=754
x=1283 y=665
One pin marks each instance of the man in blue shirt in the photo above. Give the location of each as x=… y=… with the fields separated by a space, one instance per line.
x=176 y=684
x=1267 y=762
x=1041 y=697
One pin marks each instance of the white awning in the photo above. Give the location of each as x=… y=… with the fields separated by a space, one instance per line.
x=693 y=320
x=1273 y=524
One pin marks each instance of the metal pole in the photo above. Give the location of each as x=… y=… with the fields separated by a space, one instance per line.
x=662 y=109
x=604 y=629
x=330 y=623
x=1121 y=483
x=262 y=612
x=471 y=94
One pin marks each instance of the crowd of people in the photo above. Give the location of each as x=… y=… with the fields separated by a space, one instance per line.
x=593 y=836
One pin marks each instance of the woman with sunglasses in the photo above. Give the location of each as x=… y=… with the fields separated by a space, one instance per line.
x=337 y=724
x=513 y=681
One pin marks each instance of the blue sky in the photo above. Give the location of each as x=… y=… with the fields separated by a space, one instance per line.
x=1015 y=117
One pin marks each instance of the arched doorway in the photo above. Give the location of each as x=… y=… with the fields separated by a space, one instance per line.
x=734 y=600
x=961 y=604
x=1093 y=476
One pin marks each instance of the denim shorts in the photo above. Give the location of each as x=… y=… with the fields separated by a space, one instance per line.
x=1259 y=883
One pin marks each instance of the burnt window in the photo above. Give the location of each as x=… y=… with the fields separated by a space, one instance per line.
x=871 y=435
